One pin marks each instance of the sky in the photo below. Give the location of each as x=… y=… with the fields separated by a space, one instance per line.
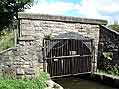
x=97 y=9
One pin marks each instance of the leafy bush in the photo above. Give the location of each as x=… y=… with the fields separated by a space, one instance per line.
x=112 y=69
x=106 y=65
x=107 y=55
x=38 y=83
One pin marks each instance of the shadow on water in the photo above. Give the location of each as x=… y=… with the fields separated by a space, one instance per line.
x=78 y=83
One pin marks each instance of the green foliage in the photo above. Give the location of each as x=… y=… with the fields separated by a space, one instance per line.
x=38 y=83
x=107 y=67
x=107 y=55
x=114 y=27
x=6 y=40
x=48 y=36
x=112 y=69
x=9 y=9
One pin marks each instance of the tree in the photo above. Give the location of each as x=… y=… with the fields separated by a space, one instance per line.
x=9 y=10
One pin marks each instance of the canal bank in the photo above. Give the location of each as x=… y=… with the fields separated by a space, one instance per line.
x=103 y=78
x=78 y=83
x=106 y=79
x=88 y=81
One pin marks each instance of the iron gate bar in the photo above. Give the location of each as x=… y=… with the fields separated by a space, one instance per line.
x=69 y=75
x=70 y=56
x=65 y=64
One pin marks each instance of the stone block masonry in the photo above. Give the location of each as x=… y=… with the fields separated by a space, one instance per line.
x=33 y=28
x=108 y=43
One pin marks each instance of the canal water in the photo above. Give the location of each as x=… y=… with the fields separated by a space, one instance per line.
x=77 y=83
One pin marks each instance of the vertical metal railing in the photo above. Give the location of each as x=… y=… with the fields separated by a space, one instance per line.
x=67 y=56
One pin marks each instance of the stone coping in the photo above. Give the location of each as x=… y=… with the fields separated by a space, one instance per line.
x=107 y=75
x=108 y=79
x=52 y=85
x=47 y=17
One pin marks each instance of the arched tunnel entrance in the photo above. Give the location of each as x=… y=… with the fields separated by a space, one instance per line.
x=68 y=54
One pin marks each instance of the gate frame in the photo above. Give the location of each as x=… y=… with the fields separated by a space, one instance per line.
x=93 y=60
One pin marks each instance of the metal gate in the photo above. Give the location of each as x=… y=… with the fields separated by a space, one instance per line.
x=66 y=57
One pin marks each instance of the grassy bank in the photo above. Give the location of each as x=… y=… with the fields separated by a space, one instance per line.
x=39 y=83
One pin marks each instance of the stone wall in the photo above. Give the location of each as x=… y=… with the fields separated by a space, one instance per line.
x=36 y=30
x=33 y=28
x=108 y=43
x=15 y=62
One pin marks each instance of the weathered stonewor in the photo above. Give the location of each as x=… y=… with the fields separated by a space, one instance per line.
x=27 y=58
x=22 y=60
x=35 y=27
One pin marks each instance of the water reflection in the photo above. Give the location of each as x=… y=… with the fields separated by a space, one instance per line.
x=76 y=83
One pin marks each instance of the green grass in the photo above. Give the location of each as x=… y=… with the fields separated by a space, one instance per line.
x=6 y=40
x=39 y=83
